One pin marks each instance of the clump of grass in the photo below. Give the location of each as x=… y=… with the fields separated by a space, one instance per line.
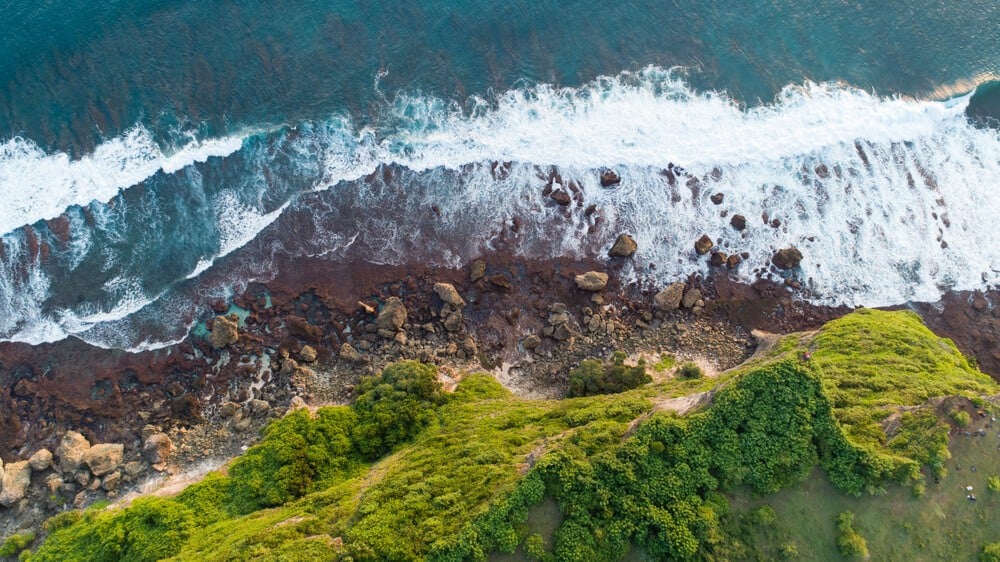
x=961 y=418
x=665 y=363
x=849 y=541
x=690 y=370
x=16 y=543
x=993 y=483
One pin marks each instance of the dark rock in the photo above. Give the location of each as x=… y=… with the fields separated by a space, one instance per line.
x=158 y=448
x=703 y=245
x=739 y=222
x=609 y=178
x=623 y=247
x=787 y=258
x=392 y=316
x=477 y=271
x=718 y=258
x=717 y=198
x=733 y=261
x=531 y=342
x=348 y=353
x=562 y=197
x=822 y=171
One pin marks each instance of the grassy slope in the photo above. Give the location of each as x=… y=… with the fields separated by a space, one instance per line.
x=869 y=363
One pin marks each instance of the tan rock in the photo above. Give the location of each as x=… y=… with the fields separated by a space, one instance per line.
x=393 y=315
x=477 y=271
x=41 y=460
x=15 y=482
x=691 y=298
x=669 y=298
x=225 y=331
x=447 y=293
x=104 y=458
x=158 y=448
x=703 y=245
x=348 y=353
x=53 y=482
x=110 y=482
x=531 y=342
x=307 y=353
x=592 y=281
x=623 y=247
x=70 y=451
x=454 y=322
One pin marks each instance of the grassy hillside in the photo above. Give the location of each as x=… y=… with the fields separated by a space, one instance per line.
x=410 y=473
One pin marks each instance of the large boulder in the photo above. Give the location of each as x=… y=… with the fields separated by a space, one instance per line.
x=350 y=354
x=623 y=247
x=609 y=178
x=592 y=281
x=70 y=451
x=225 y=331
x=41 y=460
x=15 y=481
x=392 y=316
x=703 y=245
x=691 y=298
x=669 y=298
x=158 y=448
x=739 y=222
x=447 y=293
x=104 y=458
x=788 y=258
x=308 y=354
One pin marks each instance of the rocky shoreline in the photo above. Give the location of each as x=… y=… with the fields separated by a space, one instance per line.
x=111 y=422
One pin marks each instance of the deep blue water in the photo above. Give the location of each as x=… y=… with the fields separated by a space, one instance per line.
x=170 y=135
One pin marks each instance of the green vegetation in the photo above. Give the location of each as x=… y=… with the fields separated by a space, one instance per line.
x=961 y=418
x=594 y=377
x=410 y=473
x=665 y=363
x=16 y=543
x=690 y=370
x=849 y=541
x=991 y=553
x=993 y=483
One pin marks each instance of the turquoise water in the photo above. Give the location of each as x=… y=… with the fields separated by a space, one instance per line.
x=165 y=152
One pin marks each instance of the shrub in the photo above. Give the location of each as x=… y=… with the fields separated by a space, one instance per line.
x=594 y=377
x=990 y=553
x=395 y=406
x=962 y=418
x=16 y=543
x=850 y=542
x=993 y=483
x=789 y=550
x=534 y=547
x=765 y=515
x=690 y=370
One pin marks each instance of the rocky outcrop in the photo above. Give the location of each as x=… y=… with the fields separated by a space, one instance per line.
x=592 y=281
x=623 y=247
x=104 y=458
x=225 y=331
x=559 y=327
x=788 y=258
x=609 y=178
x=703 y=245
x=41 y=460
x=391 y=318
x=71 y=450
x=14 y=484
x=447 y=293
x=158 y=448
x=669 y=298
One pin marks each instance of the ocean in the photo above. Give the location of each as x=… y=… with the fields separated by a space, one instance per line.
x=157 y=155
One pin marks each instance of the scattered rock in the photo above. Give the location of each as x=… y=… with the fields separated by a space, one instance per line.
x=369 y=309
x=718 y=258
x=447 y=293
x=531 y=342
x=225 y=331
x=592 y=281
x=623 y=247
x=41 y=460
x=717 y=198
x=110 y=481
x=562 y=197
x=158 y=448
x=733 y=261
x=477 y=271
x=787 y=258
x=691 y=297
x=739 y=222
x=53 y=482
x=393 y=315
x=500 y=280
x=822 y=171
x=348 y=353
x=562 y=332
x=454 y=321
x=297 y=403
x=16 y=478
x=609 y=178
x=104 y=458
x=307 y=353
x=133 y=469
x=258 y=407
x=70 y=451
x=703 y=245
x=669 y=298
x=230 y=409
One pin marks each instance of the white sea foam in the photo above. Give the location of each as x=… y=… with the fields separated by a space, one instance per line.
x=904 y=210
x=36 y=185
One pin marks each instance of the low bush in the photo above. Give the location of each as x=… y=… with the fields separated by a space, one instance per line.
x=850 y=543
x=16 y=543
x=690 y=370
x=595 y=377
x=961 y=418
